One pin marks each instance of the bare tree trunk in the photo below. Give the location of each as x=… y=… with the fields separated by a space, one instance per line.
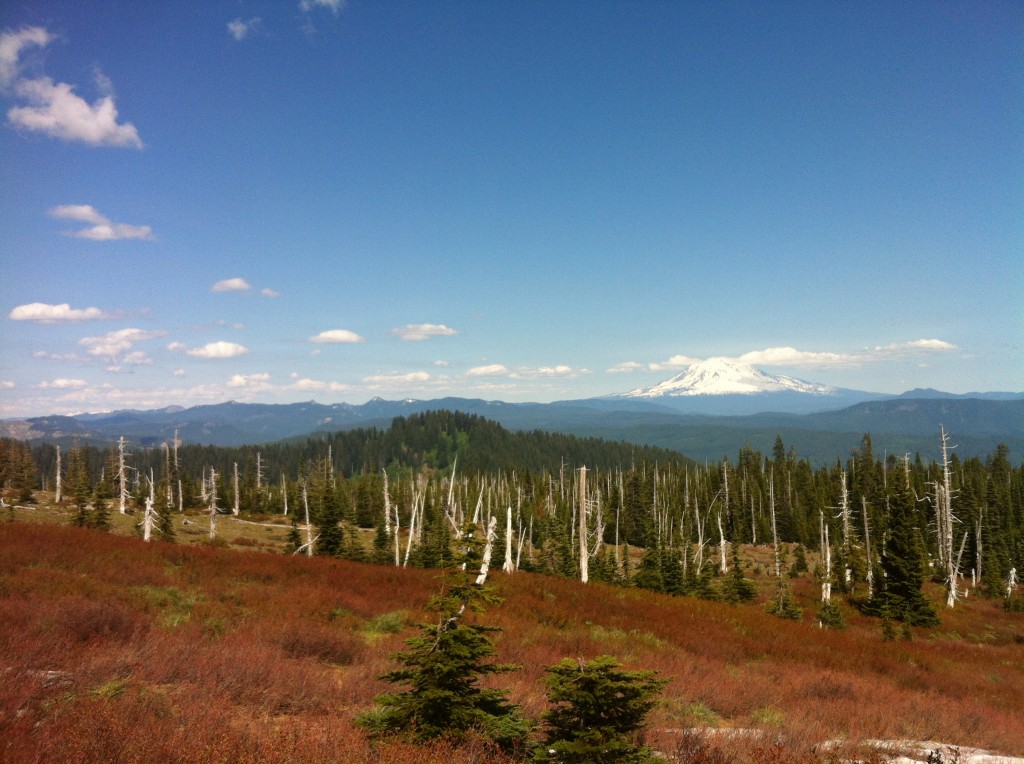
x=213 y=503
x=149 y=516
x=485 y=563
x=826 y=552
x=977 y=545
x=723 y=565
x=844 y=516
x=387 y=505
x=870 y=575
x=122 y=477
x=509 y=565
x=57 y=497
x=775 y=536
x=584 y=556
x=234 y=509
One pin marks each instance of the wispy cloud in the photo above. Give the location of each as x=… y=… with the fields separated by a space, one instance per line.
x=114 y=345
x=231 y=285
x=44 y=313
x=788 y=356
x=793 y=357
x=102 y=228
x=218 y=349
x=53 y=108
x=674 y=363
x=268 y=292
x=420 y=332
x=259 y=381
x=11 y=46
x=626 y=367
x=334 y=6
x=526 y=372
x=304 y=383
x=336 y=337
x=390 y=379
x=488 y=370
x=62 y=383
x=240 y=29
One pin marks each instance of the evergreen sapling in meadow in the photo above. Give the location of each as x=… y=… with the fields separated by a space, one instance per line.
x=443 y=667
x=598 y=712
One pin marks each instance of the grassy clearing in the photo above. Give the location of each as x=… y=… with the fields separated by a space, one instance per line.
x=221 y=655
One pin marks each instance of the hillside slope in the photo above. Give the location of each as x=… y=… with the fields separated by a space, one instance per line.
x=227 y=656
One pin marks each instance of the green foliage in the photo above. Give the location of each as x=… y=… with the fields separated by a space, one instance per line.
x=598 y=712
x=443 y=667
x=736 y=588
x=784 y=605
x=901 y=597
x=831 y=616
x=799 y=566
x=100 y=515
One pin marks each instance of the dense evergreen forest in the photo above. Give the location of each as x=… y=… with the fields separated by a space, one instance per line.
x=885 y=523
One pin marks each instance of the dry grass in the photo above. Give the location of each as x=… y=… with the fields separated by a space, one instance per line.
x=115 y=650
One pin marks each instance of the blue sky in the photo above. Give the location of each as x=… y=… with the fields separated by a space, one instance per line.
x=280 y=201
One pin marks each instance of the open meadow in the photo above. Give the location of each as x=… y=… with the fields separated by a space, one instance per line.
x=117 y=650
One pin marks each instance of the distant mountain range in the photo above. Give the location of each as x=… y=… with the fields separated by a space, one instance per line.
x=711 y=410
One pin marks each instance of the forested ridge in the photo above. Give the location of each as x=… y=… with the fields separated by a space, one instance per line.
x=430 y=472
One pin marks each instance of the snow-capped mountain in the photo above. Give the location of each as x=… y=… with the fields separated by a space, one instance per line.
x=722 y=376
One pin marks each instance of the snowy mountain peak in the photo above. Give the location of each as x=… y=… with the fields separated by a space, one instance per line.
x=723 y=376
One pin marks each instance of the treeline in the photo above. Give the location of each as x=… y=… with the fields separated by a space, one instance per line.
x=418 y=482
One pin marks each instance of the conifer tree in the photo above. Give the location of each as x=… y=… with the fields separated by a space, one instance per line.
x=736 y=588
x=443 y=667
x=784 y=605
x=901 y=596
x=100 y=515
x=598 y=712
x=79 y=487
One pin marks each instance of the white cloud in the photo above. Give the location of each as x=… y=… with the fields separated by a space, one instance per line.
x=252 y=381
x=178 y=373
x=790 y=356
x=930 y=346
x=231 y=285
x=787 y=356
x=334 y=6
x=626 y=367
x=217 y=350
x=240 y=29
x=316 y=384
x=674 y=363
x=137 y=358
x=268 y=292
x=415 y=376
x=48 y=356
x=337 y=336
x=419 y=332
x=86 y=213
x=52 y=314
x=6 y=384
x=113 y=344
x=63 y=384
x=102 y=229
x=490 y=370
x=11 y=46
x=54 y=109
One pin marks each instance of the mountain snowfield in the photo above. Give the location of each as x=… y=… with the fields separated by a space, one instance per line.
x=723 y=376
